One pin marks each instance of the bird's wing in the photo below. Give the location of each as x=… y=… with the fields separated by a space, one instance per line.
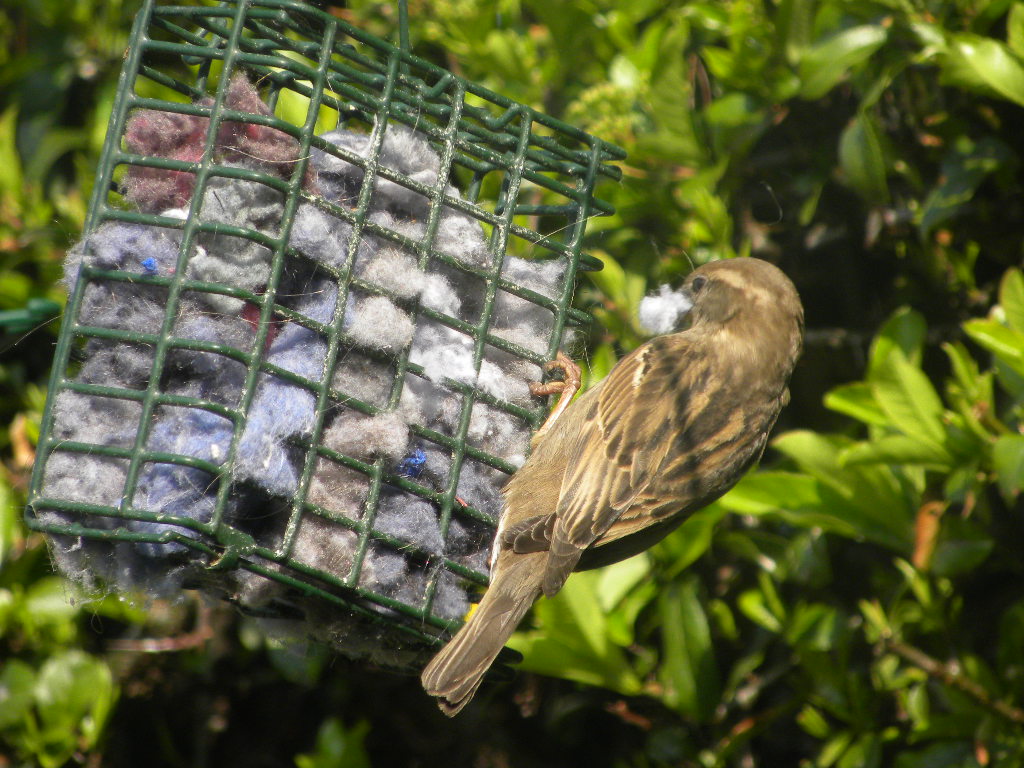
x=621 y=450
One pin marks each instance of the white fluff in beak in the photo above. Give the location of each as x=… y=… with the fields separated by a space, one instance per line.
x=663 y=311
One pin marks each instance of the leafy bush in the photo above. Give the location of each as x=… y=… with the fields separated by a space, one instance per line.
x=916 y=655
x=855 y=602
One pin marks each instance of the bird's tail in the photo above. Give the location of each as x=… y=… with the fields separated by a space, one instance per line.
x=454 y=674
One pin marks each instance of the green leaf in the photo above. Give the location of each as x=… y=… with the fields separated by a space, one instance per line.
x=903 y=332
x=895 y=449
x=798 y=499
x=766 y=492
x=1011 y=636
x=877 y=625
x=917 y=705
x=856 y=400
x=599 y=364
x=813 y=722
x=834 y=748
x=862 y=159
x=752 y=604
x=735 y=121
x=565 y=657
x=1008 y=463
x=956 y=556
x=10 y=525
x=691 y=540
x=1005 y=343
x=47 y=601
x=944 y=754
x=56 y=143
x=337 y=746
x=825 y=63
x=969 y=382
x=625 y=289
x=985 y=65
x=1011 y=298
x=688 y=670
x=796 y=25
x=858 y=501
x=581 y=600
x=573 y=640
x=11 y=179
x=865 y=752
x=1015 y=28
x=17 y=680
x=910 y=401
x=965 y=167
x=615 y=581
x=74 y=694
x=812 y=627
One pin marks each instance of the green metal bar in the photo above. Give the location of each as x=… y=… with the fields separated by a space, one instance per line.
x=370 y=83
x=403 y=26
x=175 y=290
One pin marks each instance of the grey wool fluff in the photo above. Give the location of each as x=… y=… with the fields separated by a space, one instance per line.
x=406 y=305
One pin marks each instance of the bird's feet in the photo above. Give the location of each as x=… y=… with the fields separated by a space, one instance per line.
x=566 y=389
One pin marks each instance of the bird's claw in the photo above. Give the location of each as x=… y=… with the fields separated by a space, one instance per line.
x=566 y=389
x=571 y=377
x=542 y=390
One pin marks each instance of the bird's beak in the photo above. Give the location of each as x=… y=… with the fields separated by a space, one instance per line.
x=687 y=296
x=685 y=317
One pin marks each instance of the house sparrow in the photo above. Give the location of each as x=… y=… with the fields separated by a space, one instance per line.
x=674 y=425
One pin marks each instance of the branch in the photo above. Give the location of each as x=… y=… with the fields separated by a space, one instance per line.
x=951 y=675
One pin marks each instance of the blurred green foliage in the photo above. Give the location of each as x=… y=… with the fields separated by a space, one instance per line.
x=855 y=602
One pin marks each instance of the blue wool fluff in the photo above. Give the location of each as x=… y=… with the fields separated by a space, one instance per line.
x=119 y=245
x=175 y=489
x=280 y=410
x=412 y=465
x=395 y=287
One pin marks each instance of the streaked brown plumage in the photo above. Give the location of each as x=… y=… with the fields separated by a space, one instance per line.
x=674 y=425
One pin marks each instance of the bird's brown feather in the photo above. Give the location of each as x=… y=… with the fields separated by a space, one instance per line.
x=672 y=427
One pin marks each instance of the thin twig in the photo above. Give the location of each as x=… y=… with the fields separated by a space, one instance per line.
x=197 y=638
x=951 y=675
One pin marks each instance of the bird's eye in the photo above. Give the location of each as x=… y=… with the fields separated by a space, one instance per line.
x=698 y=283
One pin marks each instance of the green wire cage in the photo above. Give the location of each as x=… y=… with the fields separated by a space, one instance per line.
x=317 y=274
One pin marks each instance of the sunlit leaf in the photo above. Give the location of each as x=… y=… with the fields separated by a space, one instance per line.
x=615 y=581
x=1005 y=343
x=904 y=332
x=1011 y=299
x=1008 y=463
x=17 y=680
x=856 y=400
x=1015 y=28
x=984 y=64
x=896 y=449
x=864 y=499
x=910 y=401
x=826 y=62
x=688 y=671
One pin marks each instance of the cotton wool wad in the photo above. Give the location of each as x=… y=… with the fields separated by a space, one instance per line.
x=331 y=467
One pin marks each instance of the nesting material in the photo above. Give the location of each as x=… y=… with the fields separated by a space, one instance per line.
x=662 y=312
x=183 y=137
x=327 y=426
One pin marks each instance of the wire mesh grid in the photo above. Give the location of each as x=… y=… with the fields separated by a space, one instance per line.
x=525 y=182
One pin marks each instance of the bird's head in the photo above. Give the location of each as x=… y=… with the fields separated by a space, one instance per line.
x=723 y=290
x=748 y=299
